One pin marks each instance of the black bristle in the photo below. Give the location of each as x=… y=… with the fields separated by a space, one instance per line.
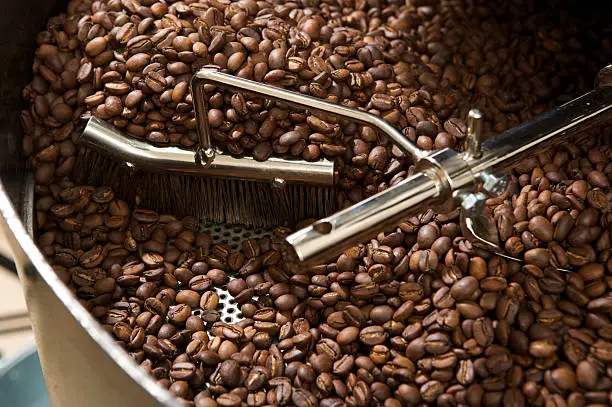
x=216 y=200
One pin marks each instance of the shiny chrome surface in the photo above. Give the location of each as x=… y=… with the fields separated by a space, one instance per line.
x=334 y=234
x=475 y=121
x=213 y=77
x=556 y=126
x=452 y=178
x=109 y=141
x=453 y=172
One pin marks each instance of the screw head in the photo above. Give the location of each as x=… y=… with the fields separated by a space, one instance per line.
x=473 y=203
x=495 y=184
x=203 y=157
x=279 y=183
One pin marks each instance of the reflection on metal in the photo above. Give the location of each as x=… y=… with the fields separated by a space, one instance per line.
x=212 y=77
x=73 y=347
x=448 y=178
x=110 y=142
x=482 y=232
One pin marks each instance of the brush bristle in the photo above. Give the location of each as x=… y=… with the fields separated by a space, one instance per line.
x=243 y=202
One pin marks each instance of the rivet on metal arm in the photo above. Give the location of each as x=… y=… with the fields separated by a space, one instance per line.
x=494 y=184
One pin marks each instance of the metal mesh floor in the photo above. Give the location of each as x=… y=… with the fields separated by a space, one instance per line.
x=232 y=235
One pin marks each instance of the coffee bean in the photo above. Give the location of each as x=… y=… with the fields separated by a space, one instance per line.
x=96 y=46
x=229 y=400
x=602 y=350
x=464 y=288
x=343 y=365
x=182 y=371
x=431 y=390
x=303 y=398
x=586 y=374
x=539 y=257
x=286 y=302
x=230 y=373
x=564 y=378
x=200 y=283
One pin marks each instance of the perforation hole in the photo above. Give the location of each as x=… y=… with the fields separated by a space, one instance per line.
x=232 y=236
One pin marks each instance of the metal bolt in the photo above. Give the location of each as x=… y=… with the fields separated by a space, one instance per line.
x=279 y=183
x=204 y=157
x=474 y=133
x=130 y=168
x=473 y=203
x=494 y=184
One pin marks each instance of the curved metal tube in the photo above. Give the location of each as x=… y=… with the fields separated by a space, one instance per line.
x=504 y=151
x=109 y=141
x=211 y=76
x=334 y=234
x=330 y=236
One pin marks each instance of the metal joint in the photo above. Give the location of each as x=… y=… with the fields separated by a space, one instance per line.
x=454 y=174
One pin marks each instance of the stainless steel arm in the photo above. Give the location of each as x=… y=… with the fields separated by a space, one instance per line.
x=294 y=99
x=449 y=177
x=553 y=127
x=109 y=141
x=334 y=234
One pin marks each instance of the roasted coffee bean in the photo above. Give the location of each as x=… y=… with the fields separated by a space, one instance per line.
x=372 y=335
x=464 y=288
x=200 y=283
x=182 y=371
x=230 y=373
x=229 y=400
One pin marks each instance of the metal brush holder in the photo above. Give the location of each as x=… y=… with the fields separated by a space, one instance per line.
x=209 y=161
x=444 y=178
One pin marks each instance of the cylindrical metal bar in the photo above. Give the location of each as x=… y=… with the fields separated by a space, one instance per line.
x=294 y=99
x=474 y=127
x=205 y=152
x=334 y=234
x=330 y=236
x=109 y=141
x=507 y=149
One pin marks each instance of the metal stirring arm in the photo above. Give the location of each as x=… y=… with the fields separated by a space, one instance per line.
x=207 y=161
x=448 y=178
x=208 y=76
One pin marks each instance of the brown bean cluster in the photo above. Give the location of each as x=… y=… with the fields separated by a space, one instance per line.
x=417 y=316
x=421 y=67
x=414 y=316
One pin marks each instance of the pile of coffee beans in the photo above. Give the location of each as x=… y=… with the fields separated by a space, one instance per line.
x=416 y=316
x=420 y=66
